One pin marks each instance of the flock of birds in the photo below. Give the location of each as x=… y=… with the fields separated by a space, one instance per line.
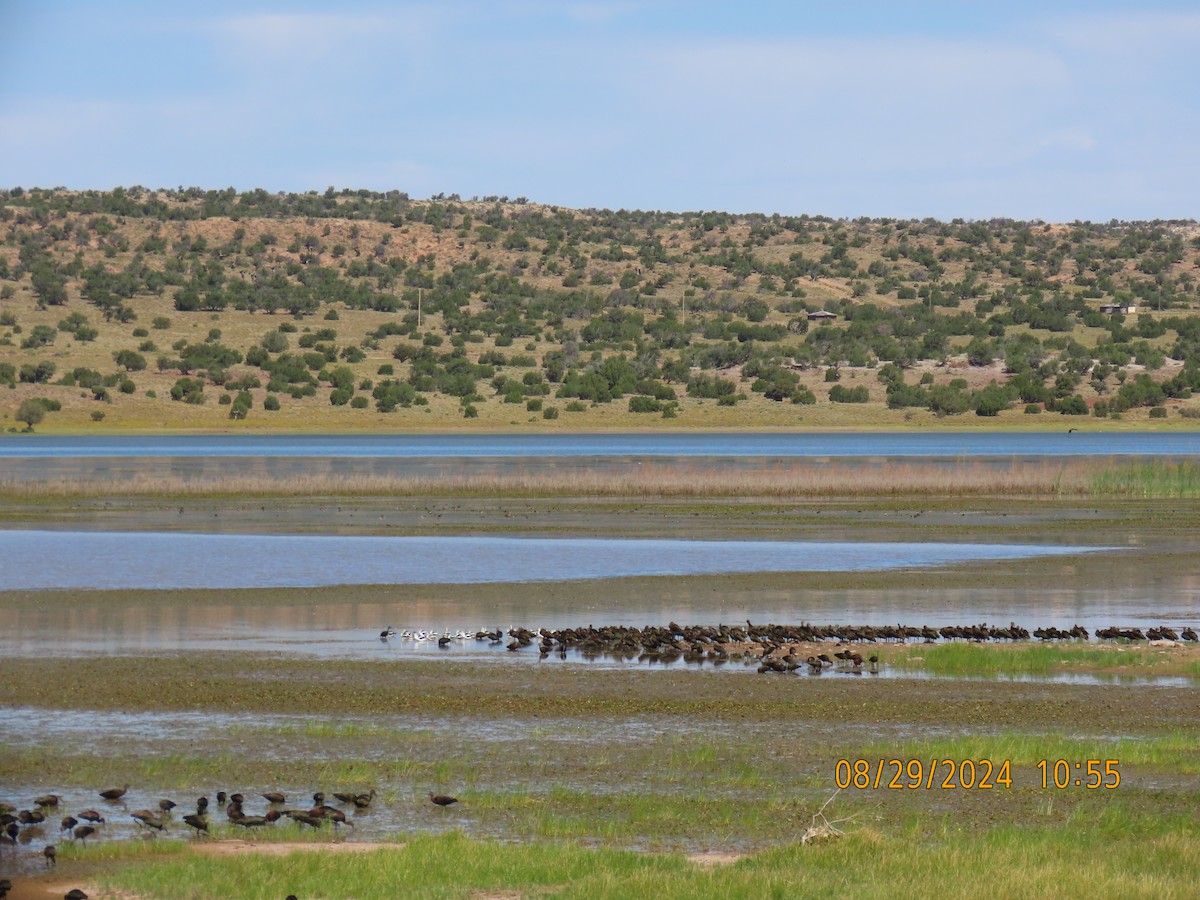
x=776 y=646
x=23 y=825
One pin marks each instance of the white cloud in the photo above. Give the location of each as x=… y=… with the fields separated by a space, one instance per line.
x=1079 y=139
x=1126 y=33
x=597 y=13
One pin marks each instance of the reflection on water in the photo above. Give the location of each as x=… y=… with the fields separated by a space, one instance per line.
x=105 y=625
x=108 y=560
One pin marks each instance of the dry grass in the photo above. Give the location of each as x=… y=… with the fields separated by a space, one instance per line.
x=662 y=479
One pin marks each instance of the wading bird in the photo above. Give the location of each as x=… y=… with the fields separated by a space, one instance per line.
x=114 y=793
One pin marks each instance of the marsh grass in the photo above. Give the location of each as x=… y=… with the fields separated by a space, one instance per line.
x=320 y=728
x=1154 y=479
x=646 y=819
x=966 y=659
x=787 y=479
x=1108 y=849
x=1177 y=752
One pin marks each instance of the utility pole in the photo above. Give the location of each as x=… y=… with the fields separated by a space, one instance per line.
x=418 y=308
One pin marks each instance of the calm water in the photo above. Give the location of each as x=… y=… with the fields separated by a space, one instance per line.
x=152 y=560
x=442 y=446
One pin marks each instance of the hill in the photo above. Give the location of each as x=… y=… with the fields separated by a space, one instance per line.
x=353 y=310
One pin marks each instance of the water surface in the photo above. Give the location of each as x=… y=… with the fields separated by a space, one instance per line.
x=443 y=446
x=33 y=560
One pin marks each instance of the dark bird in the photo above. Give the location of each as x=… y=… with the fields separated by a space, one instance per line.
x=220 y=798
x=51 y=854
x=441 y=799
x=75 y=894
x=166 y=805
x=90 y=815
x=362 y=801
x=114 y=793
x=201 y=806
x=83 y=832
x=304 y=818
x=274 y=797
x=68 y=823
x=253 y=821
x=12 y=829
x=47 y=801
x=333 y=814
x=197 y=821
x=149 y=819
x=387 y=633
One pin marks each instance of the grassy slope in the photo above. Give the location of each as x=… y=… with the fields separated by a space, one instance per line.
x=690 y=253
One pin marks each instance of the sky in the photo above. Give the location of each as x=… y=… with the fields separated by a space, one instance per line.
x=1058 y=110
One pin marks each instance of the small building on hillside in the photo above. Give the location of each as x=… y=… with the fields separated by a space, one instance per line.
x=1126 y=308
x=821 y=315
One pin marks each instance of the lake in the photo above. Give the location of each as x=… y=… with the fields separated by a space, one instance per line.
x=105 y=560
x=756 y=444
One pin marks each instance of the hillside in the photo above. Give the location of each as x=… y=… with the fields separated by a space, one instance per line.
x=354 y=311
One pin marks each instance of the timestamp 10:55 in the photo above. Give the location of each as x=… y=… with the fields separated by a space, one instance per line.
x=1092 y=774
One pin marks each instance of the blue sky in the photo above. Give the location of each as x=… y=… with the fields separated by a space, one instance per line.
x=1051 y=110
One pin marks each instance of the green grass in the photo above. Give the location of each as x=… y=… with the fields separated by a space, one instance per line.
x=1106 y=850
x=964 y=659
x=1150 y=479
x=1177 y=752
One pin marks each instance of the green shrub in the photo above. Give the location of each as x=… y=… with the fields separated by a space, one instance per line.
x=841 y=394
x=1158 y=412
x=639 y=403
x=188 y=390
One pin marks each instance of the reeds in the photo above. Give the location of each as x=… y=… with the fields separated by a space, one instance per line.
x=1149 y=479
x=775 y=479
